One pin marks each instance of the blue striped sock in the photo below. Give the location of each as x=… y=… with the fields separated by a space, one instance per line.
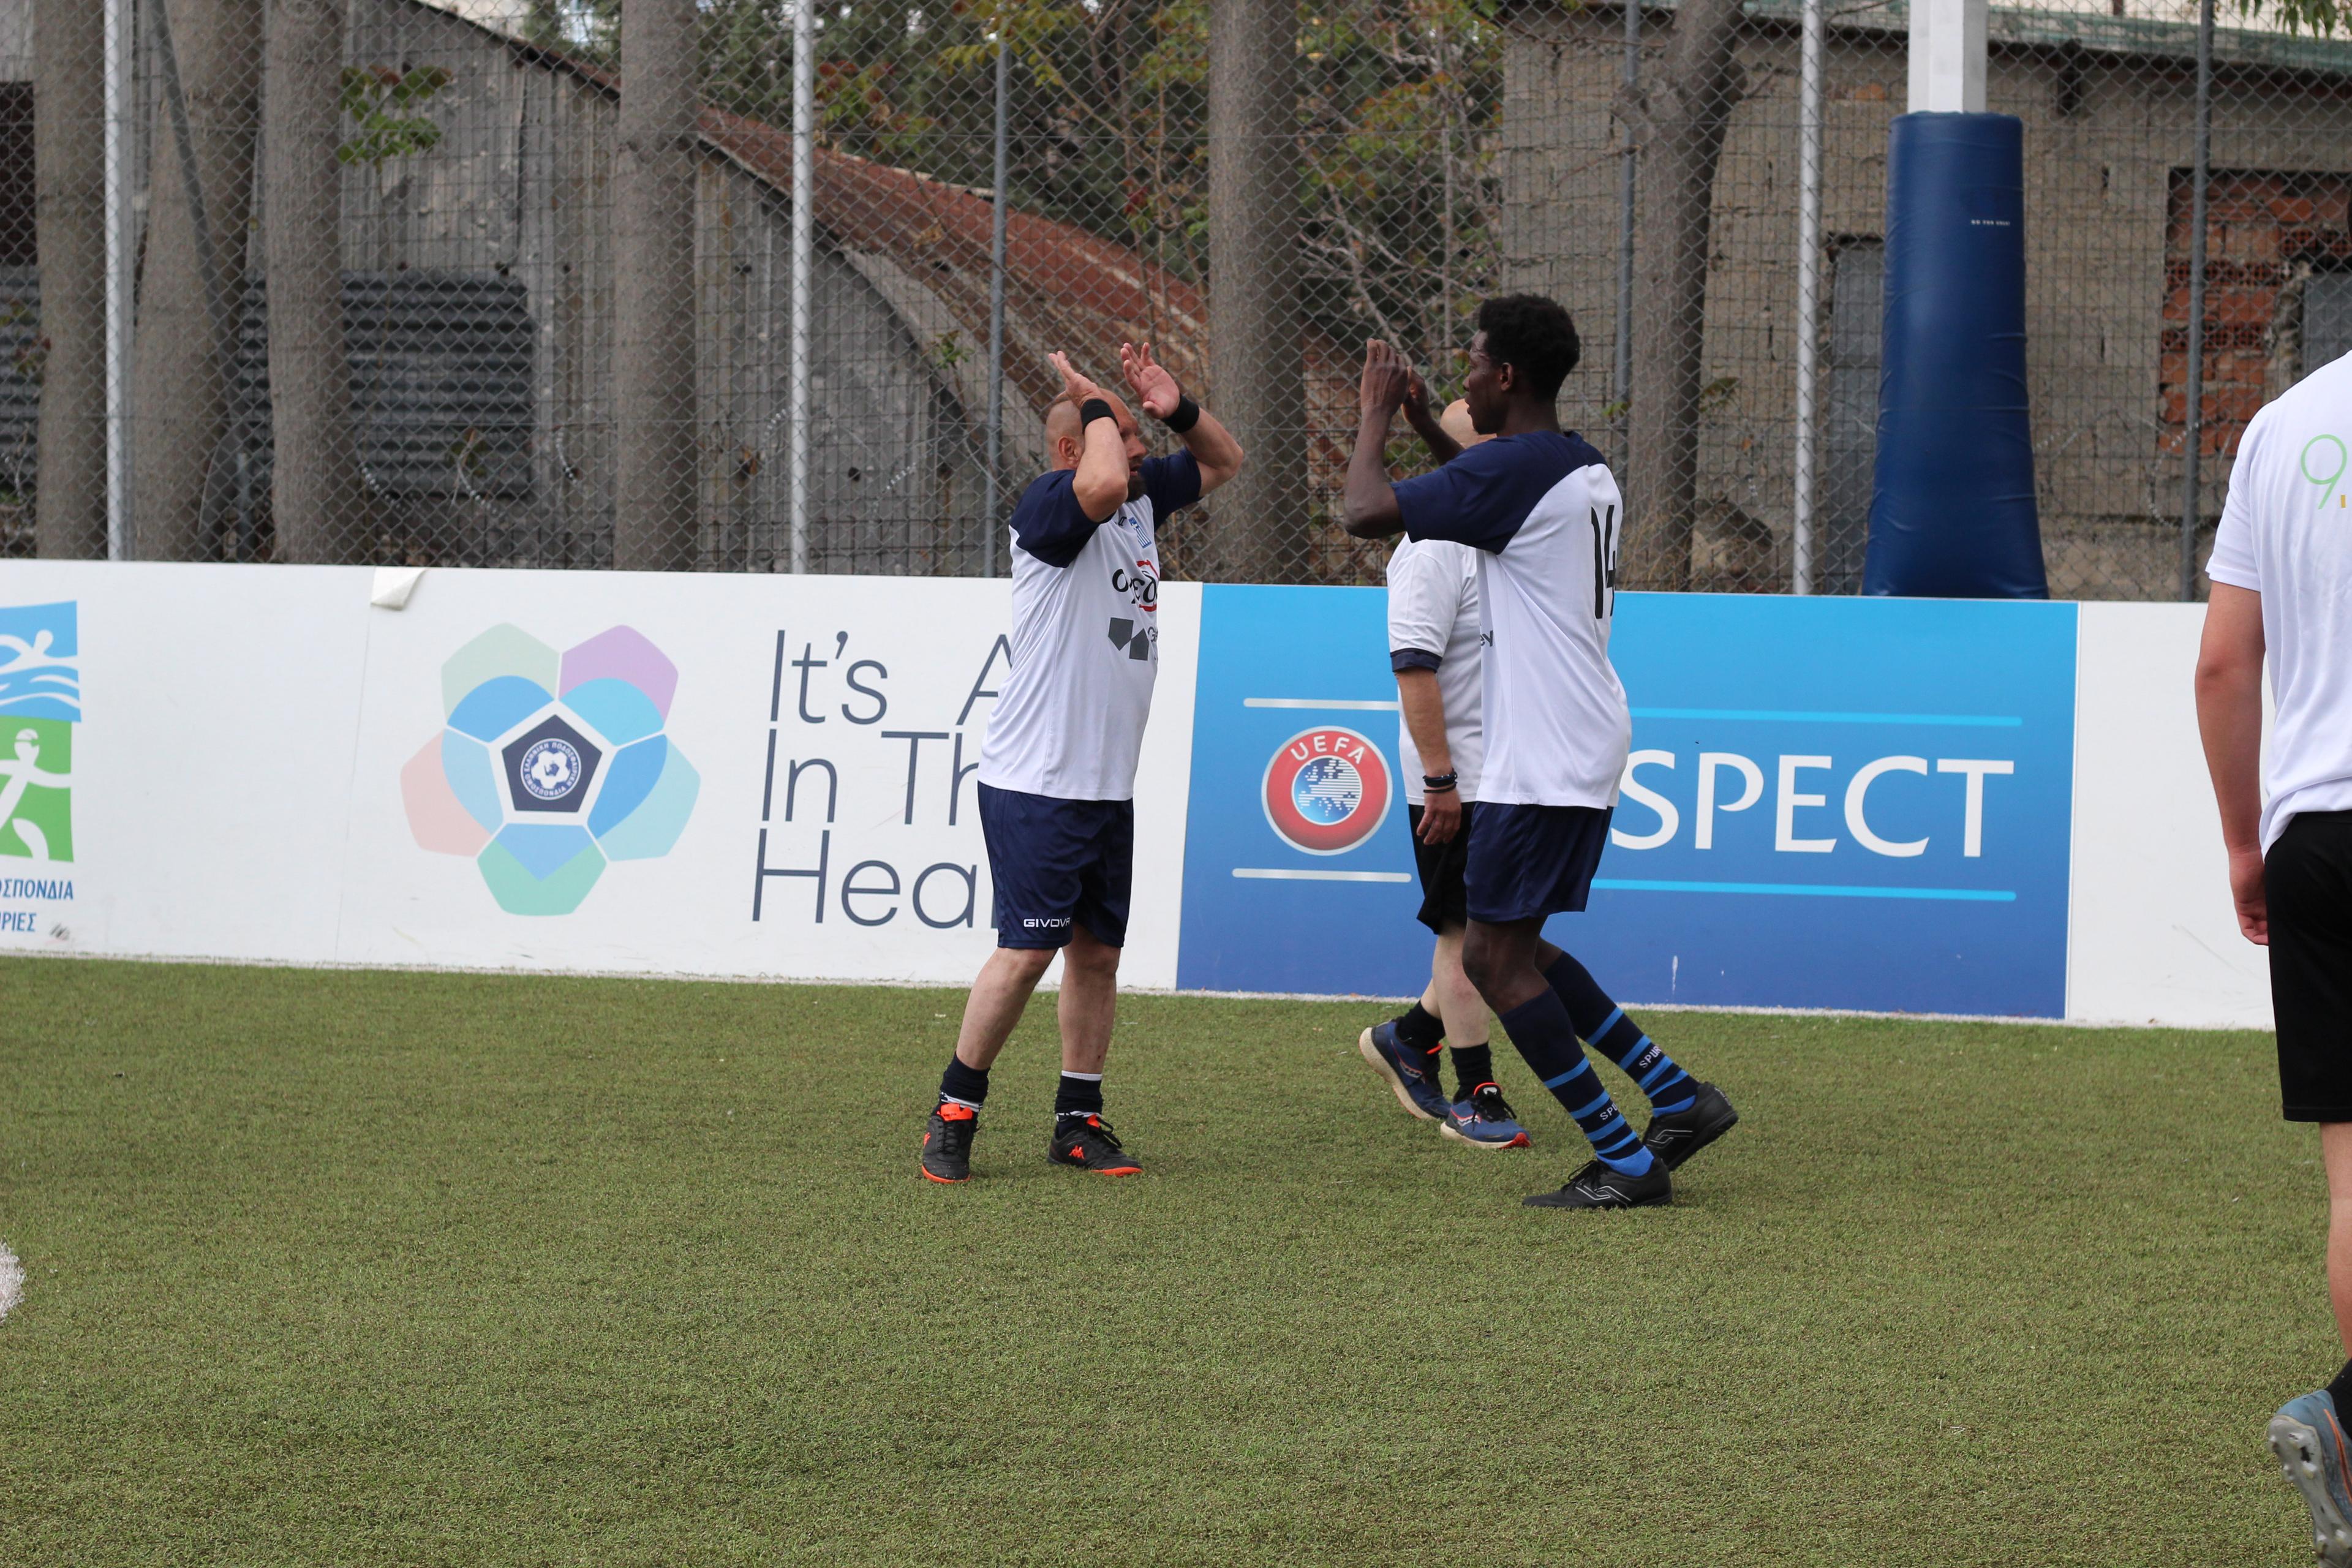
x=1605 y=1026
x=1545 y=1037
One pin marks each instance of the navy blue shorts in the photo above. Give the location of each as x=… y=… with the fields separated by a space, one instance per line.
x=1058 y=864
x=1528 y=861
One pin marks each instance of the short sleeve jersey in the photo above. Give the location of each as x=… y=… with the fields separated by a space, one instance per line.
x=1543 y=511
x=1434 y=625
x=2286 y=535
x=1086 y=645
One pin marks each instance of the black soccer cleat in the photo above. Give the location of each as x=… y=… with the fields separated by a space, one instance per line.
x=1597 y=1186
x=1675 y=1136
x=1087 y=1144
x=947 y=1142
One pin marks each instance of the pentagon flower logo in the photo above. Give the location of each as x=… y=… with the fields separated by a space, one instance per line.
x=552 y=765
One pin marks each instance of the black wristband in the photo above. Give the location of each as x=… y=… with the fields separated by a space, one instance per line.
x=1440 y=784
x=1185 y=415
x=1092 y=409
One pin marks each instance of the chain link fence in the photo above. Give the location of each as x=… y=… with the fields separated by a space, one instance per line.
x=417 y=281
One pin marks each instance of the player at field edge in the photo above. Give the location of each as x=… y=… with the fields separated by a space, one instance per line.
x=2282 y=573
x=1542 y=509
x=1433 y=652
x=1056 y=786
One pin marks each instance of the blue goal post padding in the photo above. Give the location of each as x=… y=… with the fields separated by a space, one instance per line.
x=1951 y=509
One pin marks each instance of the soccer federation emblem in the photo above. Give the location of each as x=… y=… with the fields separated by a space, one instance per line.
x=550 y=769
x=1326 y=791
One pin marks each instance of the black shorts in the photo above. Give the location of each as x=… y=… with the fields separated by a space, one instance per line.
x=1528 y=861
x=2307 y=876
x=1058 y=865
x=1445 y=901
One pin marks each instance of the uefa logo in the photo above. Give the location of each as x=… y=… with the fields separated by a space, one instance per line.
x=1327 y=790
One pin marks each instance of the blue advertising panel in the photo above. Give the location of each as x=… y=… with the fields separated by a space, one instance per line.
x=1290 y=885
x=1832 y=803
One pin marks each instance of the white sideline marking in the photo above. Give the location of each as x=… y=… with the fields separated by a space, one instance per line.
x=1271 y=874
x=12 y=1280
x=1317 y=703
x=697 y=977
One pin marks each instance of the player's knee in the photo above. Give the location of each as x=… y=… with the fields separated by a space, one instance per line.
x=1481 y=964
x=1027 y=963
x=1090 y=957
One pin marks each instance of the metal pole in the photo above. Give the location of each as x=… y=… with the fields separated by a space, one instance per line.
x=1808 y=288
x=117 y=277
x=1622 y=381
x=2193 y=410
x=996 y=304
x=803 y=268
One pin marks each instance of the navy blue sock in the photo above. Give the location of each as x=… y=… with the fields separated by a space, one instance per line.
x=1605 y=1026
x=1541 y=1031
x=1080 y=1095
x=965 y=1086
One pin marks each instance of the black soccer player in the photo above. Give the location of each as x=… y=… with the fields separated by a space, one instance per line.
x=1543 y=510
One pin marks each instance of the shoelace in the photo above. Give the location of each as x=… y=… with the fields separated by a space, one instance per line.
x=1491 y=1106
x=1101 y=1129
x=955 y=1137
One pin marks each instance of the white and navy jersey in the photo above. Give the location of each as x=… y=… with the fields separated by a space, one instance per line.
x=1543 y=511
x=1434 y=625
x=1085 y=647
x=2286 y=535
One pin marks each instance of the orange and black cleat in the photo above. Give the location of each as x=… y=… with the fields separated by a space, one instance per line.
x=1089 y=1143
x=947 y=1142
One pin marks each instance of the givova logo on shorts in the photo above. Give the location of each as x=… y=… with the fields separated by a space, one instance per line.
x=1327 y=790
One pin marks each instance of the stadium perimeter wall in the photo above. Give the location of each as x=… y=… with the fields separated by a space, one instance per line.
x=1993 y=809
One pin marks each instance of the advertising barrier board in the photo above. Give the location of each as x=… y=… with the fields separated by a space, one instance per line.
x=1831 y=803
x=1990 y=808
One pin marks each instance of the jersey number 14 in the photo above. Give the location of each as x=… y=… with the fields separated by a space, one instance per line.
x=1605 y=562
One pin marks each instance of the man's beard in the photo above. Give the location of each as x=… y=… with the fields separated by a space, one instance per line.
x=1134 y=485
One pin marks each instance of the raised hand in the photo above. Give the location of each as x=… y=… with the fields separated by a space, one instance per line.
x=1386 y=377
x=1075 y=388
x=1154 y=387
x=1416 y=401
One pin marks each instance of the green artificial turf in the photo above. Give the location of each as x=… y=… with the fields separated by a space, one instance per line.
x=333 y=1267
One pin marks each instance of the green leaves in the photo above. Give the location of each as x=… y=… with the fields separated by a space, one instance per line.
x=381 y=101
x=2322 y=16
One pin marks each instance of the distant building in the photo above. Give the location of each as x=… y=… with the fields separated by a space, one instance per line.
x=2107 y=104
x=479 y=306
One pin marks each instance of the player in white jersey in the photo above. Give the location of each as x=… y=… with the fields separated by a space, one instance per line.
x=2282 y=570
x=1057 y=769
x=1434 y=650
x=1542 y=511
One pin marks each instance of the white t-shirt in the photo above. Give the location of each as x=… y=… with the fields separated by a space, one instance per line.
x=1085 y=647
x=1434 y=625
x=2286 y=533
x=1543 y=511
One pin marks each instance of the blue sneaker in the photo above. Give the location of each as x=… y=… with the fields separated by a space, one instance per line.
x=1484 y=1121
x=1415 y=1089
x=2309 y=1444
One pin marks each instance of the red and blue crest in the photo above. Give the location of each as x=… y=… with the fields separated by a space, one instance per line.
x=1327 y=790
